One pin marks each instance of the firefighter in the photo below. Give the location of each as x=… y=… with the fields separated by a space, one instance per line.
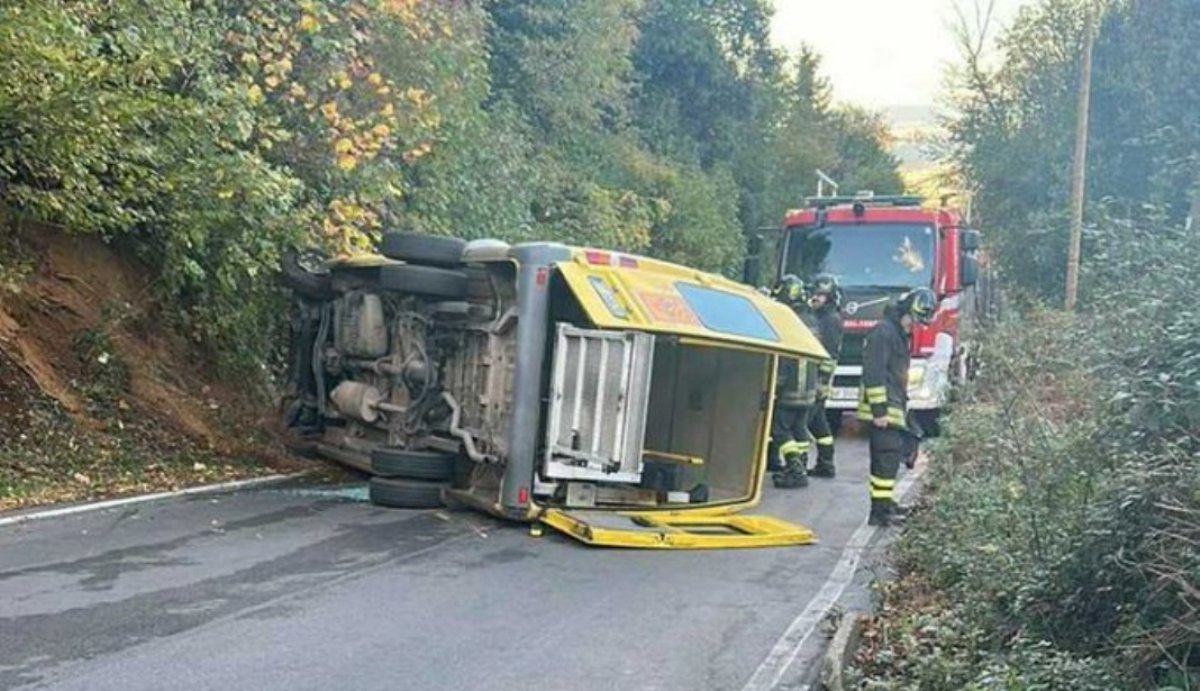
x=883 y=397
x=795 y=392
x=825 y=297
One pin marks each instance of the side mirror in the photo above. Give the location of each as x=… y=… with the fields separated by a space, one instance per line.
x=969 y=242
x=750 y=270
x=752 y=264
x=969 y=271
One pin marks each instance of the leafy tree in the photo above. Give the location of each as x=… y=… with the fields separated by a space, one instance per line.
x=863 y=161
x=705 y=71
x=1145 y=132
x=567 y=60
x=208 y=135
x=1013 y=139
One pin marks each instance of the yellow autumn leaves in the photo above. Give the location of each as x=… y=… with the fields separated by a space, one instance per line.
x=361 y=138
x=338 y=102
x=355 y=140
x=349 y=224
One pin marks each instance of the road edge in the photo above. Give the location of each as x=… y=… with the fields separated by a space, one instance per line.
x=844 y=644
x=232 y=485
x=770 y=673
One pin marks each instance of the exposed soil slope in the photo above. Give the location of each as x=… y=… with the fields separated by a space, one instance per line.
x=97 y=394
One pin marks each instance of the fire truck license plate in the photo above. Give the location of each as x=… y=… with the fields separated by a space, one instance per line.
x=843 y=393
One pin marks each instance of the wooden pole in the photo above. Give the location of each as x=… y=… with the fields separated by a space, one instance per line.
x=1078 y=172
x=1193 y=219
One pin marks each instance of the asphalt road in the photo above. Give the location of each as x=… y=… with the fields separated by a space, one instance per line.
x=303 y=587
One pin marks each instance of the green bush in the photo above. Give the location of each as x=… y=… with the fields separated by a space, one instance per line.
x=943 y=652
x=1066 y=491
x=206 y=136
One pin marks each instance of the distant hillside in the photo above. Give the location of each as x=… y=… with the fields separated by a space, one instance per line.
x=910 y=125
x=911 y=116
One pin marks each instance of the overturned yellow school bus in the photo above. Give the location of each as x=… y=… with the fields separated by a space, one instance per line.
x=622 y=400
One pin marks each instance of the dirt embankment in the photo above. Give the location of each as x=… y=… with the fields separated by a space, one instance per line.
x=98 y=395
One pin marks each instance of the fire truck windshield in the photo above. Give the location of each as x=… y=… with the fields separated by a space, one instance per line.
x=864 y=255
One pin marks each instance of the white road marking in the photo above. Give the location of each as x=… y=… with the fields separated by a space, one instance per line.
x=113 y=503
x=777 y=662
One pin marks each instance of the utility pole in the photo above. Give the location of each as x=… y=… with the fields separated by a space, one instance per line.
x=1078 y=174
x=1193 y=219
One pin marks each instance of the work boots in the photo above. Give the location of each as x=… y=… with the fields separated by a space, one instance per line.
x=882 y=514
x=794 y=474
x=824 y=466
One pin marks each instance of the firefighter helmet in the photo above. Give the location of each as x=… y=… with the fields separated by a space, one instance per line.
x=790 y=290
x=920 y=304
x=827 y=285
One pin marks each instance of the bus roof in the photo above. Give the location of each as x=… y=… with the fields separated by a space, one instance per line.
x=621 y=291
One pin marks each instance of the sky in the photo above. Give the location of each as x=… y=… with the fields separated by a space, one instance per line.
x=878 y=53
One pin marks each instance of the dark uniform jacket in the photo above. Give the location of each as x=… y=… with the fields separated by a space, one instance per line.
x=829 y=332
x=884 y=391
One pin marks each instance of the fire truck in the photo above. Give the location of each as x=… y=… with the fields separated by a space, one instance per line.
x=878 y=248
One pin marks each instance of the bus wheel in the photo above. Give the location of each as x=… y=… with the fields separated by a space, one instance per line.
x=413 y=465
x=419 y=248
x=405 y=494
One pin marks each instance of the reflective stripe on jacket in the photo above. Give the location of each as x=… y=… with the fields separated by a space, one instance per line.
x=884 y=391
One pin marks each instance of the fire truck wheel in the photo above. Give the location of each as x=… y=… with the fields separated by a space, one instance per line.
x=414 y=465
x=426 y=281
x=419 y=248
x=405 y=494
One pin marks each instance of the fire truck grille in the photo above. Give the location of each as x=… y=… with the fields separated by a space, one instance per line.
x=852 y=347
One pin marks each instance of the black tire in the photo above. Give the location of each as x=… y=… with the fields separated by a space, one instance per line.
x=426 y=281
x=405 y=494
x=414 y=465
x=308 y=284
x=419 y=248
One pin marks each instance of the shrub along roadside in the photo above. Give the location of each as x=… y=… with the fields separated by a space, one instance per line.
x=1060 y=546
x=207 y=136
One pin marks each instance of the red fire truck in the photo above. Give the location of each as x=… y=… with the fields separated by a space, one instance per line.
x=878 y=248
